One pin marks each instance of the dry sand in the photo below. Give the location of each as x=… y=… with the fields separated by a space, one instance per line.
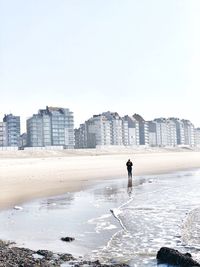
x=26 y=175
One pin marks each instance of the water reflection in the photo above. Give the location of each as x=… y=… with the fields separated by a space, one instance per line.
x=130 y=186
x=109 y=193
x=59 y=202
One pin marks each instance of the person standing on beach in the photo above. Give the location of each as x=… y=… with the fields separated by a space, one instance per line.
x=129 y=166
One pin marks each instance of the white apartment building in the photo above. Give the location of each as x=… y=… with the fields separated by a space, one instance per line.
x=161 y=132
x=133 y=131
x=143 y=130
x=80 y=136
x=197 y=137
x=3 y=134
x=165 y=132
x=188 y=133
x=172 y=135
x=173 y=132
x=35 y=131
x=117 y=128
x=98 y=130
x=52 y=126
x=125 y=133
x=179 y=130
x=152 y=133
x=105 y=129
x=109 y=128
x=12 y=130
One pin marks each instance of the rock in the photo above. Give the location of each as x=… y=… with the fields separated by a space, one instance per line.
x=172 y=256
x=45 y=253
x=67 y=239
x=66 y=257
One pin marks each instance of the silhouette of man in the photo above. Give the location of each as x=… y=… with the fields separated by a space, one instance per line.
x=129 y=165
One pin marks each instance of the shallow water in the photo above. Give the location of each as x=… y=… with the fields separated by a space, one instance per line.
x=155 y=211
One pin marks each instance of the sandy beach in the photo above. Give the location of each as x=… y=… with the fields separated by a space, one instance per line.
x=26 y=175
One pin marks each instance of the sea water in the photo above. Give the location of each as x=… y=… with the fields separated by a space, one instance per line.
x=114 y=221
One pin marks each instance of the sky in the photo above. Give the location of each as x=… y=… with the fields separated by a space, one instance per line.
x=132 y=56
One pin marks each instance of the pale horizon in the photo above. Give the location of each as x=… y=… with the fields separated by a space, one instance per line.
x=89 y=56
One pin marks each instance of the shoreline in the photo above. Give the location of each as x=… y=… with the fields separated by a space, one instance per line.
x=35 y=256
x=25 y=177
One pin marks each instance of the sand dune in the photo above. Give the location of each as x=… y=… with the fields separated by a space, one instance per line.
x=25 y=175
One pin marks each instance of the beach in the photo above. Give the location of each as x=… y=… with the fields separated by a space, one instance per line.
x=84 y=194
x=27 y=175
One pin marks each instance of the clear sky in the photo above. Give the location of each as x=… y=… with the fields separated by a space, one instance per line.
x=131 y=56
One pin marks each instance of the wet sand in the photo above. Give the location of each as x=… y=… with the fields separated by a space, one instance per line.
x=26 y=176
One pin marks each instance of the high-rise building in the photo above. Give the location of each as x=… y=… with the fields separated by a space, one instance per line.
x=152 y=133
x=179 y=130
x=98 y=131
x=3 y=134
x=80 y=136
x=52 y=126
x=104 y=129
x=197 y=136
x=143 y=130
x=133 y=131
x=161 y=131
x=117 y=128
x=34 y=127
x=172 y=133
x=12 y=130
x=188 y=132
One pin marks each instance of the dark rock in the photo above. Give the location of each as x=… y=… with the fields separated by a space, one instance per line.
x=172 y=256
x=66 y=257
x=46 y=253
x=67 y=239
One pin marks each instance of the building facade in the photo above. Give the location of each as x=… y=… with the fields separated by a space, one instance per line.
x=12 y=128
x=109 y=128
x=197 y=137
x=152 y=133
x=143 y=130
x=133 y=131
x=52 y=126
x=97 y=131
x=3 y=134
x=80 y=136
x=117 y=128
x=188 y=133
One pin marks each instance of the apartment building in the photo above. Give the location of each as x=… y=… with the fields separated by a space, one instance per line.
x=97 y=131
x=188 y=133
x=3 y=134
x=109 y=128
x=80 y=136
x=161 y=132
x=104 y=129
x=117 y=128
x=143 y=130
x=52 y=126
x=34 y=128
x=172 y=133
x=179 y=130
x=197 y=136
x=133 y=131
x=166 y=133
x=152 y=133
x=12 y=130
